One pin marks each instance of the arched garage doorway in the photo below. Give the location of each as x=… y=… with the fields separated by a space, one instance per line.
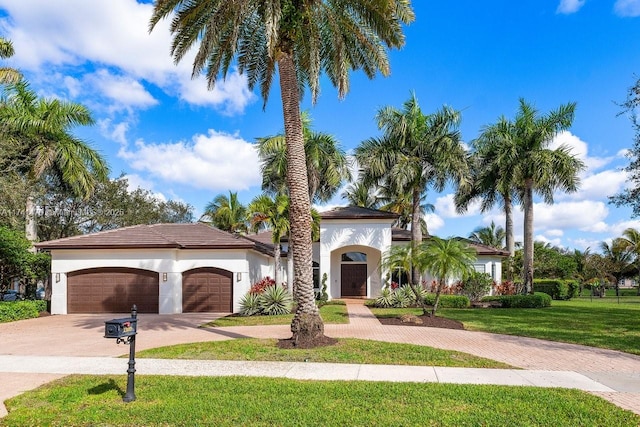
x=207 y=289
x=112 y=290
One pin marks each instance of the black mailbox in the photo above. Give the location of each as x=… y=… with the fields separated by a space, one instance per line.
x=120 y=328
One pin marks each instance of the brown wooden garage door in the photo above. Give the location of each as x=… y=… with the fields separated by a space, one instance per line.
x=112 y=290
x=207 y=289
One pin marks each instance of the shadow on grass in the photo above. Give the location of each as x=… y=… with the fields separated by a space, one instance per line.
x=105 y=388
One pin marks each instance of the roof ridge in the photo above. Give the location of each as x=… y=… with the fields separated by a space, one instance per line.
x=102 y=232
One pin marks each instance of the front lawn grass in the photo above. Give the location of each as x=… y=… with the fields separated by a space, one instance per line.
x=332 y=312
x=599 y=323
x=241 y=401
x=348 y=350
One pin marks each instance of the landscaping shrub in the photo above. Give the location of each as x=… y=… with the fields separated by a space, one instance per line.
x=275 y=300
x=18 y=310
x=448 y=301
x=266 y=299
x=505 y=288
x=557 y=288
x=475 y=286
x=386 y=298
x=398 y=297
x=537 y=300
x=322 y=297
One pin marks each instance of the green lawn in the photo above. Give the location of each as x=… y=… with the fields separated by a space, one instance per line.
x=335 y=312
x=599 y=323
x=346 y=351
x=241 y=401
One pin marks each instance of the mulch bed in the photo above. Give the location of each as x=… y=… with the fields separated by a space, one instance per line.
x=427 y=321
x=322 y=342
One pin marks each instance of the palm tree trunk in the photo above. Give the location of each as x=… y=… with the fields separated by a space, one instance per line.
x=276 y=263
x=307 y=326
x=31 y=229
x=527 y=269
x=509 y=240
x=437 y=300
x=416 y=233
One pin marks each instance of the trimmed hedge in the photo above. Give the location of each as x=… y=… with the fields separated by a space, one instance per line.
x=558 y=289
x=11 y=311
x=448 y=301
x=537 y=300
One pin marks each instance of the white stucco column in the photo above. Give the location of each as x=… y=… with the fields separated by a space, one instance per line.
x=58 y=293
x=170 y=298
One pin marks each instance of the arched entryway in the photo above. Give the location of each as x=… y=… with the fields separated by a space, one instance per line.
x=112 y=290
x=353 y=274
x=207 y=289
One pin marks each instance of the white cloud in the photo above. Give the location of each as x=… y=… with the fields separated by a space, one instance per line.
x=601 y=185
x=56 y=34
x=115 y=132
x=554 y=233
x=618 y=228
x=434 y=222
x=123 y=91
x=544 y=239
x=569 y=215
x=569 y=6
x=627 y=8
x=445 y=207
x=583 y=244
x=579 y=149
x=135 y=181
x=217 y=161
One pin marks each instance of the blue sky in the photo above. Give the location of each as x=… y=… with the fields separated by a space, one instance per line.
x=170 y=135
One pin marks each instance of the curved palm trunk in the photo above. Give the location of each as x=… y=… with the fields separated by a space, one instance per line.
x=527 y=269
x=509 y=241
x=307 y=326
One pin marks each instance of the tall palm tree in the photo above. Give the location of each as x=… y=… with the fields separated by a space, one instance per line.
x=273 y=214
x=42 y=128
x=536 y=168
x=7 y=74
x=491 y=235
x=416 y=152
x=301 y=40
x=227 y=213
x=492 y=176
x=445 y=259
x=402 y=204
x=327 y=164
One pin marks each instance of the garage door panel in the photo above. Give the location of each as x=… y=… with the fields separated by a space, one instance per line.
x=207 y=290
x=112 y=290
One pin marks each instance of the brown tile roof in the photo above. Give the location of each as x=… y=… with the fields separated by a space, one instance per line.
x=355 y=212
x=183 y=236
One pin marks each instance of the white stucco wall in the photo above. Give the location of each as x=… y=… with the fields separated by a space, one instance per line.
x=242 y=263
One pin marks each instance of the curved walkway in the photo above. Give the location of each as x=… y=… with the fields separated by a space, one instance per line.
x=36 y=351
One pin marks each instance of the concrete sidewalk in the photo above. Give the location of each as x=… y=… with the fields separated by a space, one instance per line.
x=27 y=364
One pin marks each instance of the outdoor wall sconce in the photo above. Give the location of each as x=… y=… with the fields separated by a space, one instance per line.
x=57 y=277
x=164 y=277
x=238 y=276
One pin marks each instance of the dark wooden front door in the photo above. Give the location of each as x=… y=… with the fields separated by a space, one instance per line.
x=353 y=280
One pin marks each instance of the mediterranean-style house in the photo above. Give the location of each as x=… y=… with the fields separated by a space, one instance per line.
x=180 y=268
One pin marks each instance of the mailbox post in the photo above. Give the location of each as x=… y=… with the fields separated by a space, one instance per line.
x=124 y=331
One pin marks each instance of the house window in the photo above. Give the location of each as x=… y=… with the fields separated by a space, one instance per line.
x=354 y=257
x=480 y=268
x=493 y=270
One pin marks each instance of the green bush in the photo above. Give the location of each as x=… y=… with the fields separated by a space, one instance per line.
x=276 y=300
x=537 y=300
x=17 y=310
x=448 y=301
x=558 y=289
x=475 y=286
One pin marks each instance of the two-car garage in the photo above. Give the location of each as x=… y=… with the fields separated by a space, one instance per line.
x=115 y=290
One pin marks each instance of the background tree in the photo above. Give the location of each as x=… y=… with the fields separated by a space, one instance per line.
x=551 y=262
x=327 y=163
x=227 y=213
x=301 y=40
x=42 y=128
x=630 y=195
x=620 y=259
x=17 y=262
x=272 y=214
x=415 y=152
x=361 y=195
x=63 y=214
x=490 y=236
